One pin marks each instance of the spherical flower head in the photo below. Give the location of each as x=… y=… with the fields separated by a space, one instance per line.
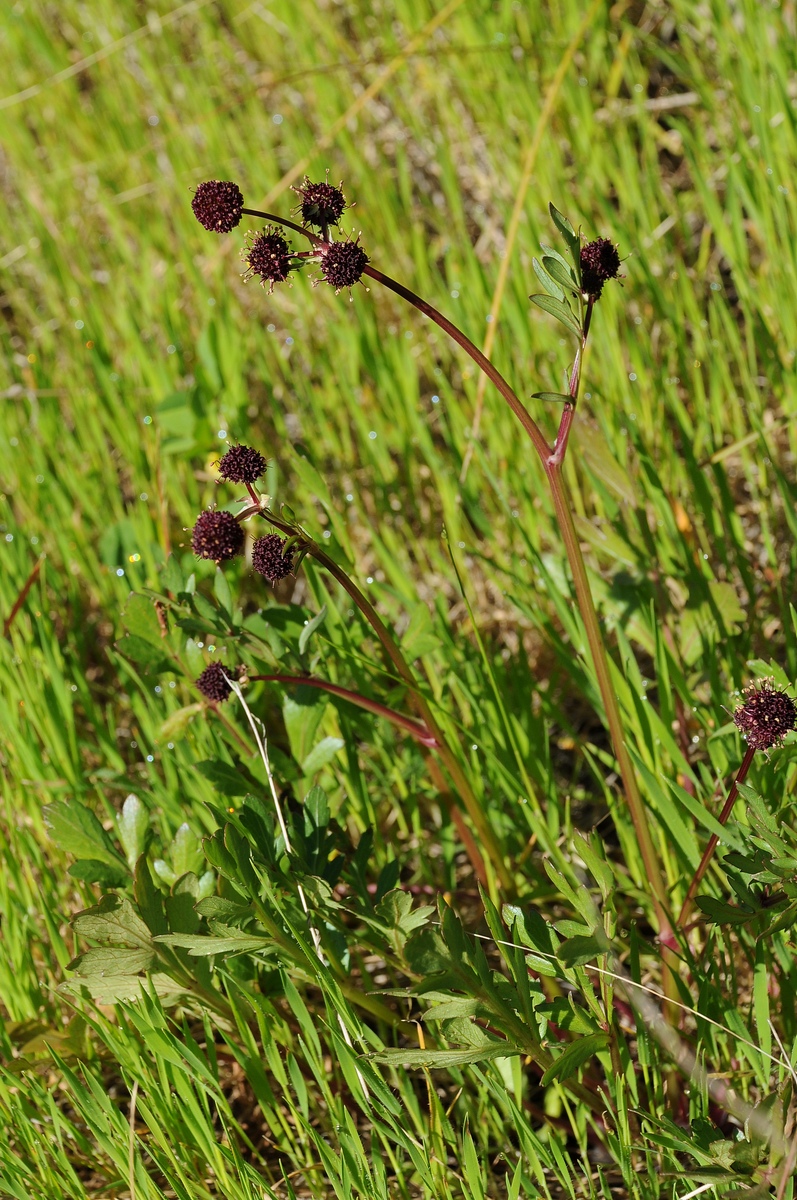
x=343 y=263
x=600 y=261
x=268 y=256
x=218 y=205
x=270 y=559
x=242 y=464
x=217 y=535
x=765 y=716
x=213 y=683
x=322 y=204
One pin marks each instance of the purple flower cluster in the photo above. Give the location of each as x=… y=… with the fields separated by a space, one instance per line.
x=765 y=716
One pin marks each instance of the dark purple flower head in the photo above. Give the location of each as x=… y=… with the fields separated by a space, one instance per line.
x=268 y=256
x=242 y=464
x=343 y=263
x=217 y=535
x=270 y=559
x=213 y=682
x=600 y=261
x=218 y=205
x=765 y=716
x=322 y=204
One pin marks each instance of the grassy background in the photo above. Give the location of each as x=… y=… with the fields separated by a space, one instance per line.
x=133 y=350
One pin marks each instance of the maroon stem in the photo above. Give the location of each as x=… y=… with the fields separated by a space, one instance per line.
x=418 y=730
x=308 y=233
x=714 y=839
x=560 y=445
x=482 y=362
x=22 y=597
x=442 y=748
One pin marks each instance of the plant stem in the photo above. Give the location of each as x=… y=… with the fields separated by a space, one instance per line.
x=442 y=749
x=493 y=374
x=415 y=728
x=551 y=460
x=560 y=445
x=600 y=662
x=713 y=841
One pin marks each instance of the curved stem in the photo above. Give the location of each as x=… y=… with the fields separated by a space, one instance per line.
x=552 y=463
x=415 y=728
x=713 y=841
x=456 y=334
x=482 y=362
x=443 y=750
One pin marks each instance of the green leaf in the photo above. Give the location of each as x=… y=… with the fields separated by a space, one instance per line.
x=303 y=712
x=224 y=778
x=316 y=807
x=786 y=919
x=113 y=920
x=177 y=722
x=144 y=654
x=140 y=618
x=565 y=1014
x=199 y=946
x=172 y=575
x=321 y=754
x=220 y=909
x=560 y=273
x=114 y=989
x=450 y=1009
x=553 y=397
x=132 y=824
x=185 y=851
x=573 y=1058
x=108 y=960
x=561 y=222
x=207 y=611
x=439 y=1060
x=581 y=949
x=398 y=918
x=91 y=870
x=572 y=239
x=558 y=309
x=75 y=828
x=221 y=590
x=600 y=870
x=310 y=628
x=419 y=637
x=551 y=287
x=723 y=914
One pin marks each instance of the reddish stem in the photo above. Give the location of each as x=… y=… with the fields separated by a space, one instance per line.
x=714 y=839
x=482 y=362
x=22 y=597
x=560 y=445
x=415 y=728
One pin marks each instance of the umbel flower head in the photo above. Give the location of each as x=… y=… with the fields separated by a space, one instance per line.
x=218 y=205
x=322 y=204
x=765 y=716
x=600 y=261
x=270 y=558
x=217 y=535
x=213 y=682
x=343 y=263
x=268 y=256
x=242 y=464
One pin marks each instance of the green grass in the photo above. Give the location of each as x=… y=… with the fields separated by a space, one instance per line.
x=130 y=343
